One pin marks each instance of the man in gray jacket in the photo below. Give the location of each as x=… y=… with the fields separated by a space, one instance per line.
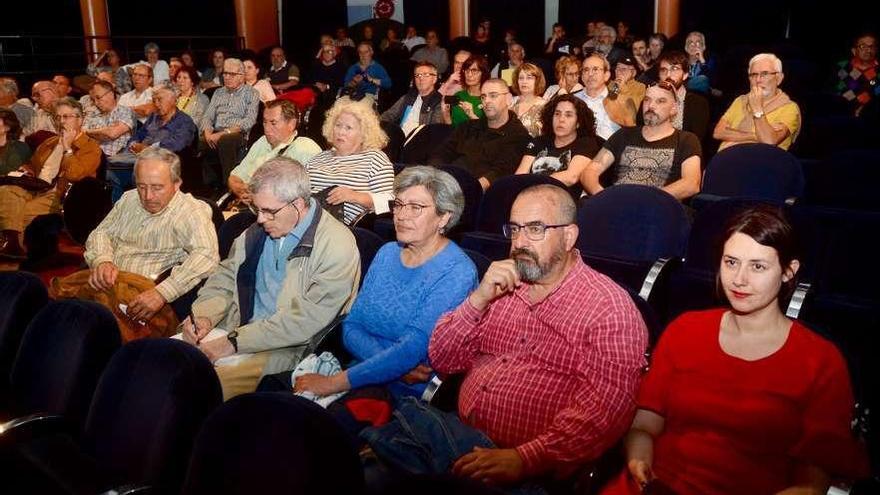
x=287 y=277
x=421 y=105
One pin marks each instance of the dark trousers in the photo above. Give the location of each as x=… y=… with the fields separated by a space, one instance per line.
x=218 y=162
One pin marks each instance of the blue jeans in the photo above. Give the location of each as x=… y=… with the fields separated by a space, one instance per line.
x=120 y=174
x=421 y=439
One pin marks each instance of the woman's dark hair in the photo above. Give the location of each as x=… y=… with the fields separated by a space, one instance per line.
x=481 y=64
x=10 y=120
x=768 y=226
x=585 y=118
x=192 y=73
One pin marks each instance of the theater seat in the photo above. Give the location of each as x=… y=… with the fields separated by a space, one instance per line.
x=424 y=143
x=368 y=244
x=846 y=179
x=63 y=353
x=149 y=404
x=752 y=171
x=22 y=295
x=270 y=442
x=627 y=230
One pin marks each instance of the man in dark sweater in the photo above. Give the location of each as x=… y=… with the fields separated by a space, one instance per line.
x=489 y=147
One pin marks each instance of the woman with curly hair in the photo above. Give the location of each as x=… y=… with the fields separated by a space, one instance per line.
x=568 y=73
x=356 y=168
x=567 y=144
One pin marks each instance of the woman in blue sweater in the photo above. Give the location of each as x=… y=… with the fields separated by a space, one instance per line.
x=410 y=283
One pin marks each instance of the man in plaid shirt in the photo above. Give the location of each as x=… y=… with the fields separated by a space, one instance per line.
x=552 y=353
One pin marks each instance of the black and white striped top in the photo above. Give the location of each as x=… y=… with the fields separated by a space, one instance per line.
x=367 y=171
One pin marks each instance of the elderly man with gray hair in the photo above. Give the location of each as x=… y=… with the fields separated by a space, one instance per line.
x=287 y=277
x=226 y=123
x=167 y=128
x=9 y=100
x=151 y=230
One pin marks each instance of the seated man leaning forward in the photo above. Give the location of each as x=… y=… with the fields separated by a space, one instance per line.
x=286 y=278
x=280 y=138
x=150 y=230
x=552 y=353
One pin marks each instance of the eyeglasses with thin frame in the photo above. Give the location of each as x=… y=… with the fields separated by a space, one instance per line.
x=535 y=231
x=592 y=70
x=472 y=70
x=269 y=214
x=233 y=74
x=493 y=95
x=425 y=75
x=762 y=75
x=414 y=209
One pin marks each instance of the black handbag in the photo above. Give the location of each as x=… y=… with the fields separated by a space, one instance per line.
x=26 y=182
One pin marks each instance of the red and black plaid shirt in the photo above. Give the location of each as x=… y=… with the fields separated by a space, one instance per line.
x=557 y=380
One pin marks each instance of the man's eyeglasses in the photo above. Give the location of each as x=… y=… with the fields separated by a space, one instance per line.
x=492 y=96
x=865 y=46
x=425 y=75
x=593 y=70
x=65 y=116
x=671 y=68
x=98 y=97
x=268 y=214
x=535 y=231
x=414 y=209
x=762 y=75
x=233 y=74
x=139 y=74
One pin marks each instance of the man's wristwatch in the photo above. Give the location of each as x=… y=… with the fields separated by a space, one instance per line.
x=233 y=339
x=758 y=115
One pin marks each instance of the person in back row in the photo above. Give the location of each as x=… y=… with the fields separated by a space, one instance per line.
x=421 y=105
x=766 y=114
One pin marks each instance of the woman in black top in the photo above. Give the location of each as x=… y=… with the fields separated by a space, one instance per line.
x=567 y=144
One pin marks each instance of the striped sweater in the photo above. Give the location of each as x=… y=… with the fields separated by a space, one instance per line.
x=367 y=171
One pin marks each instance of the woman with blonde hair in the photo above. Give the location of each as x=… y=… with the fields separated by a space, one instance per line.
x=528 y=85
x=356 y=172
x=568 y=73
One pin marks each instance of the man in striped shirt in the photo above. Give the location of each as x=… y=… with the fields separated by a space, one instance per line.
x=151 y=230
x=552 y=353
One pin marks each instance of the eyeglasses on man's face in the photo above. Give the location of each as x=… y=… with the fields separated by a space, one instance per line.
x=593 y=70
x=267 y=213
x=425 y=75
x=762 y=75
x=473 y=70
x=232 y=74
x=535 y=231
x=492 y=96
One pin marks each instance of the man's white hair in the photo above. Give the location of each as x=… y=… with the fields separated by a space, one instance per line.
x=777 y=64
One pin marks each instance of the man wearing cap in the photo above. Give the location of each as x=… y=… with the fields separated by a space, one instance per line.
x=624 y=87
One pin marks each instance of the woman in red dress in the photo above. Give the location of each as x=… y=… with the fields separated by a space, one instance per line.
x=743 y=400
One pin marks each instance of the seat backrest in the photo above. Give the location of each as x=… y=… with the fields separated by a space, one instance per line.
x=497 y=200
x=368 y=243
x=481 y=262
x=473 y=193
x=150 y=402
x=633 y=222
x=846 y=179
x=395 y=140
x=269 y=442
x=63 y=353
x=231 y=229
x=22 y=295
x=754 y=171
x=705 y=241
x=425 y=142
x=85 y=206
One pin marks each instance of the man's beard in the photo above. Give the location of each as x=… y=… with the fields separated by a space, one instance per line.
x=533 y=271
x=652 y=119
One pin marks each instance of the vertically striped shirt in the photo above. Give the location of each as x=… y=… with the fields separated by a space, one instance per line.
x=231 y=108
x=181 y=236
x=367 y=171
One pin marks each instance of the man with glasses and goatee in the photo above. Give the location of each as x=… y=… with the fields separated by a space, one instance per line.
x=287 y=277
x=655 y=154
x=551 y=352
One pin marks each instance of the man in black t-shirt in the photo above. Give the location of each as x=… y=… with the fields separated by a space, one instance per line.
x=655 y=154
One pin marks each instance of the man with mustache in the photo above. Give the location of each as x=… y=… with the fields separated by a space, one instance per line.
x=551 y=350
x=655 y=154
x=766 y=114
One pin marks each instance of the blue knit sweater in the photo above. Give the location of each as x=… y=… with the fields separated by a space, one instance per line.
x=390 y=324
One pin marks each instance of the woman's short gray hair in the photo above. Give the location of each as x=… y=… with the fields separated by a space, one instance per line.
x=160 y=154
x=444 y=189
x=285 y=177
